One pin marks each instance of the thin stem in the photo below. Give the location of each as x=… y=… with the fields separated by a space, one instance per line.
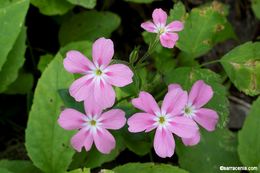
x=210 y=62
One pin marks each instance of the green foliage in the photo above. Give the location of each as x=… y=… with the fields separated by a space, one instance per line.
x=44 y=61
x=46 y=142
x=177 y=13
x=52 y=7
x=84 y=170
x=18 y=166
x=15 y=60
x=88 y=25
x=85 y=47
x=148 y=168
x=205 y=26
x=12 y=16
x=217 y=148
x=242 y=65
x=140 y=1
x=84 y=3
x=187 y=76
x=256 y=8
x=3 y=170
x=249 y=139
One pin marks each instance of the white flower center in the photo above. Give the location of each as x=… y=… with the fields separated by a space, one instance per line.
x=160 y=29
x=161 y=120
x=98 y=73
x=92 y=123
x=189 y=111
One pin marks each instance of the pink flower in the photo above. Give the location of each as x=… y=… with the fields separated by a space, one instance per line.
x=99 y=76
x=168 y=37
x=164 y=120
x=92 y=126
x=199 y=95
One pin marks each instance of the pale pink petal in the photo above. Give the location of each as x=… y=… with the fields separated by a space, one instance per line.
x=113 y=119
x=207 y=118
x=81 y=88
x=78 y=140
x=104 y=94
x=75 y=62
x=102 y=51
x=183 y=127
x=149 y=26
x=88 y=141
x=91 y=106
x=200 y=94
x=159 y=17
x=173 y=87
x=164 y=144
x=175 y=26
x=192 y=141
x=168 y=40
x=146 y=102
x=104 y=141
x=119 y=75
x=71 y=119
x=140 y=122
x=174 y=101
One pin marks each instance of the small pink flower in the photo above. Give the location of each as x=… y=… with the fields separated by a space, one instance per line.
x=92 y=126
x=168 y=37
x=199 y=95
x=99 y=76
x=164 y=120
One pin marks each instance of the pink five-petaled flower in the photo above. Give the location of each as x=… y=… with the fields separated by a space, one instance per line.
x=164 y=120
x=199 y=95
x=92 y=126
x=99 y=76
x=168 y=37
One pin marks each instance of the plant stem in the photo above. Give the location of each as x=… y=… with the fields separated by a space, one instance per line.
x=210 y=62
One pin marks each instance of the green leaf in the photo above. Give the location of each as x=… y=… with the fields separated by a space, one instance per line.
x=84 y=3
x=14 y=62
x=3 y=170
x=52 y=7
x=46 y=142
x=88 y=25
x=256 y=7
x=85 y=170
x=215 y=149
x=19 y=166
x=177 y=13
x=44 y=61
x=22 y=85
x=140 y=1
x=242 y=65
x=249 y=139
x=85 y=47
x=187 y=76
x=12 y=18
x=205 y=26
x=148 y=168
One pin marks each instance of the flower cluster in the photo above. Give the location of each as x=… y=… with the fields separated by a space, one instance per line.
x=179 y=113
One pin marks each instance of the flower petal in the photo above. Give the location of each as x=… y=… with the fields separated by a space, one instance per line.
x=146 y=102
x=79 y=140
x=174 y=101
x=140 y=122
x=200 y=94
x=104 y=94
x=191 y=141
x=164 y=144
x=183 y=127
x=91 y=106
x=76 y=62
x=149 y=26
x=175 y=26
x=113 y=119
x=159 y=17
x=102 y=51
x=71 y=119
x=173 y=87
x=104 y=141
x=81 y=88
x=207 y=118
x=168 y=40
x=119 y=75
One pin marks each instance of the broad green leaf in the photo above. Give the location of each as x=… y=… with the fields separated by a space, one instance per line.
x=84 y=3
x=187 y=76
x=88 y=25
x=106 y=171
x=12 y=18
x=85 y=47
x=22 y=85
x=256 y=7
x=14 y=62
x=46 y=142
x=215 y=149
x=44 y=61
x=205 y=26
x=148 y=168
x=177 y=13
x=140 y=1
x=249 y=139
x=3 y=170
x=84 y=170
x=242 y=65
x=19 y=166
x=52 y=7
